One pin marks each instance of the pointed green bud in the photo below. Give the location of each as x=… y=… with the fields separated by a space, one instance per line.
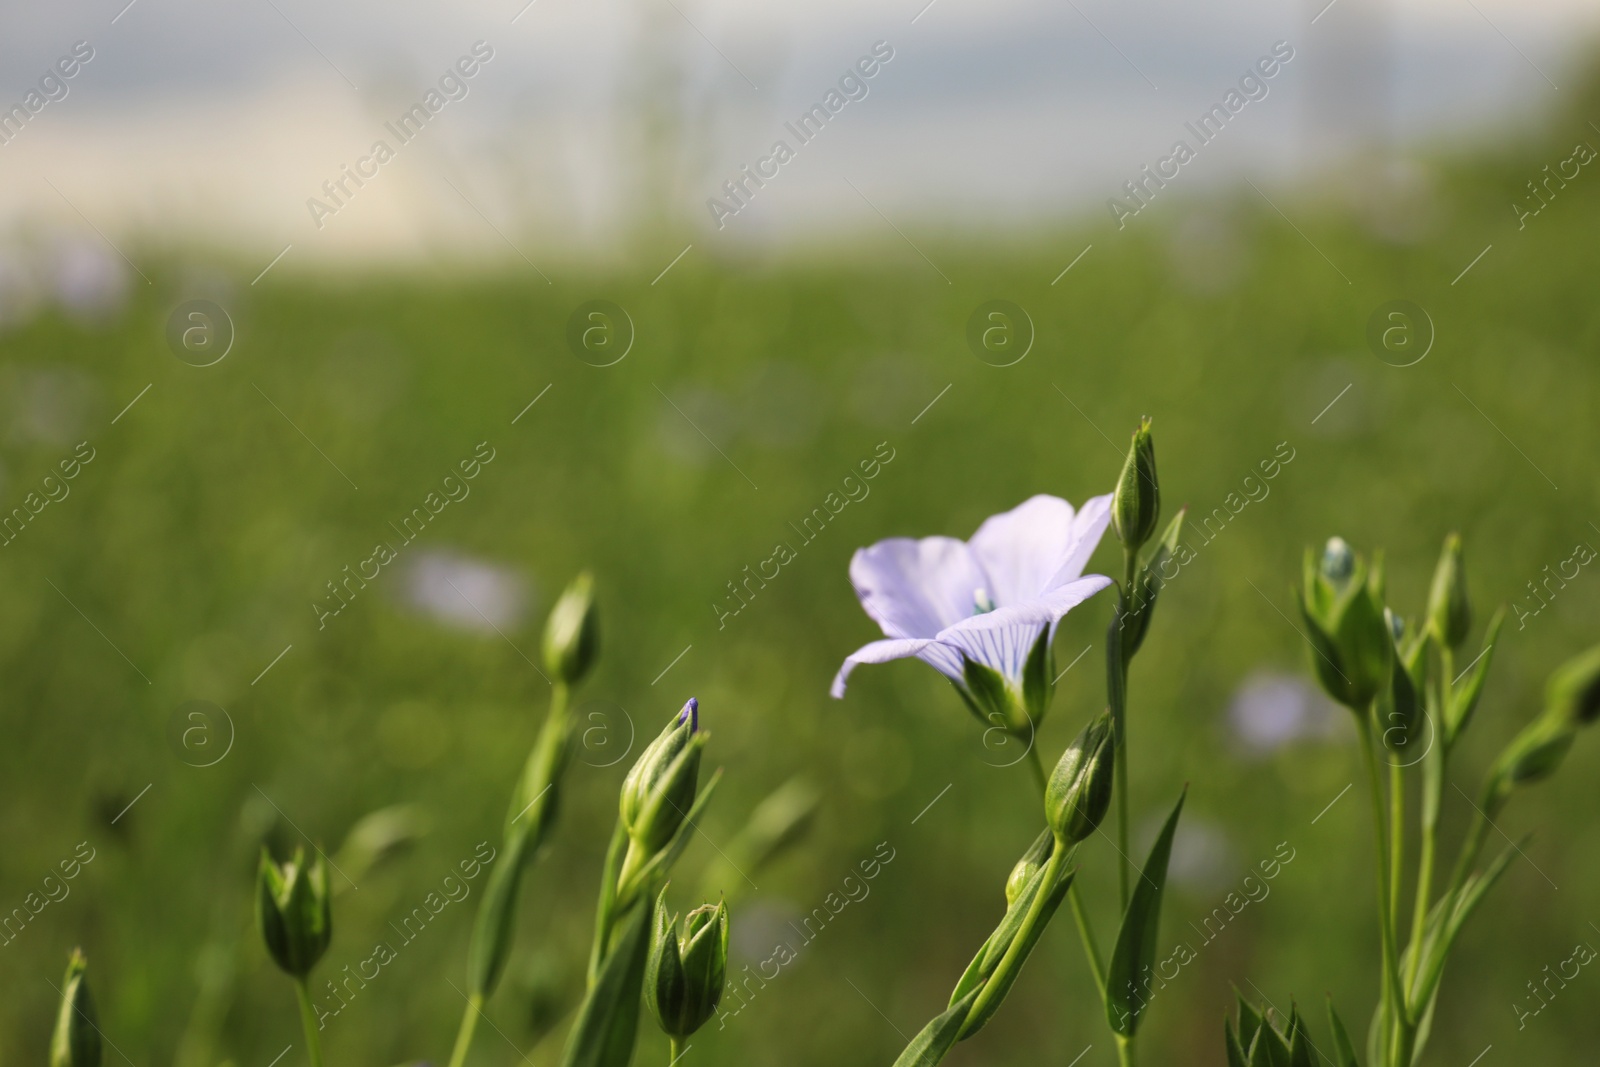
x=293 y=911
x=685 y=972
x=1402 y=713
x=660 y=788
x=76 y=1041
x=572 y=633
x=1079 y=791
x=1573 y=692
x=1532 y=756
x=1136 y=506
x=1031 y=863
x=1353 y=649
x=1449 y=612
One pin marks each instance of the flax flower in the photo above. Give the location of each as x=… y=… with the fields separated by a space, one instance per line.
x=982 y=612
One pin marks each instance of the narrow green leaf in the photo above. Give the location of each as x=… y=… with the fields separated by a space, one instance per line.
x=988 y=957
x=493 y=927
x=1270 y=1049
x=608 y=1020
x=1005 y=981
x=1464 y=701
x=1249 y=1020
x=608 y=896
x=1299 y=1041
x=1450 y=915
x=1236 y=1053
x=934 y=1041
x=1343 y=1051
x=1135 y=952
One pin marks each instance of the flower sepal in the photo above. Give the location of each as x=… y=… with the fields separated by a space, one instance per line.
x=995 y=702
x=1341 y=601
x=685 y=972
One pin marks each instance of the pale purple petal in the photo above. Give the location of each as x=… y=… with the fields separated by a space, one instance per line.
x=1088 y=526
x=1003 y=648
x=916 y=588
x=1022 y=549
x=1038 y=612
x=945 y=659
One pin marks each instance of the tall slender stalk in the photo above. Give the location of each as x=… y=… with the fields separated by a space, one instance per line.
x=1117 y=674
x=1036 y=762
x=1397 y=844
x=1091 y=951
x=1393 y=996
x=1434 y=765
x=469 y=1025
x=308 y=1020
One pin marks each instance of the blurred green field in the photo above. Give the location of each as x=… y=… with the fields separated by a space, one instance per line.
x=192 y=547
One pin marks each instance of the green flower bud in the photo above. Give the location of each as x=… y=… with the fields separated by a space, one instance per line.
x=660 y=788
x=1532 y=756
x=1401 y=707
x=76 y=1041
x=1137 y=503
x=1573 y=692
x=572 y=634
x=685 y=973
x=1338 y=562
x=293 y=912
x=1079 y=791
x=1030 y=864
x=1353 y=647
x=1449 y=613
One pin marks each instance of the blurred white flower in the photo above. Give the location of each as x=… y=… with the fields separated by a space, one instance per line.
x=463 y=592
x=1271 y=711
x=88 y=279
x=1203 y=858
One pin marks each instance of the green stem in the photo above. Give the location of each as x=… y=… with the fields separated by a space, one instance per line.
x=1433 y=772
x=1091 y=951
x=1013 y=957
x=1086 y=934
x=1397 y=843
x=1122 y=818
x=308 y=1020
x=1394 y=1008
x=604 y=914
x=1125 y=1056
x=673 y=1050
x=469 y=1024
x=1117 y=683
x=1471 y=849
x=1037 y=763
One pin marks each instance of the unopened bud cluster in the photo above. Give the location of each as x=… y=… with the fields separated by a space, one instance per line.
x=686 y=970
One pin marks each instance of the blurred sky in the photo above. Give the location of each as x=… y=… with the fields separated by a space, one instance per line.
x=213 y=123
